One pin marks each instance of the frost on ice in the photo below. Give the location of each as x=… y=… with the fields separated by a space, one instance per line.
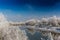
x=10 y=32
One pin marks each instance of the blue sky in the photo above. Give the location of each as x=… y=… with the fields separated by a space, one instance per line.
x=27 y=9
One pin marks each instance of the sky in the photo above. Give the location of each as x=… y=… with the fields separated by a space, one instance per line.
x=18 y=10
